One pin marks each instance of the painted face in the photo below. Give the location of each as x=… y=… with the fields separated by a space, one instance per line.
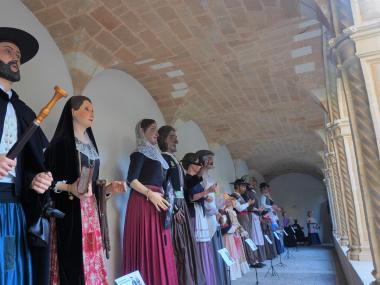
x=242 y=188
x=10 y=57
x=84 y=116
x=209 y=162
x=172 y=141
x=151 y=133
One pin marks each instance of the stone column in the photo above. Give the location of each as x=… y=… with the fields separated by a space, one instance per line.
x=362 y=115
x=357 y=231
x=327 y=181
x=342 y=230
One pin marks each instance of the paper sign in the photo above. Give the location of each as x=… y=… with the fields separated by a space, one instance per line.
x=276 y=235
x=293 y=230
x=268 y=239
x=285 y=232
x=133 y=278
x=226 y=256
x=251 y=244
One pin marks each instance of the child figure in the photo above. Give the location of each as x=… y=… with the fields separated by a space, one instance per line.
x=232 y=232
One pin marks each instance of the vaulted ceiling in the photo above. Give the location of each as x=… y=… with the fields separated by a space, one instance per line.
x=249 y=72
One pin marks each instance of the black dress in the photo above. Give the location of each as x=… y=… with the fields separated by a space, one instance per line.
x=188 y=261
x=62 y=159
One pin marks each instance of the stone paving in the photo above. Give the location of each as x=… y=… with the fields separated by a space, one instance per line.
x=306 y=266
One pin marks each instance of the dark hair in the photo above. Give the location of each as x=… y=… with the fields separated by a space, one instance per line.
x=263 y=186
x=203 y=153
x=163 y=134
x=146 y=123
x=77 y=101
x=188 y=159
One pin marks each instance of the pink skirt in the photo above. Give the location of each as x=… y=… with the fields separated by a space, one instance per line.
x=147 y=245
x=94 y=262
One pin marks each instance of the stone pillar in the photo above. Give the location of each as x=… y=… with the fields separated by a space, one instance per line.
x=346 y=160
x=327 y=181
x=362 y=114
x=363 y=252
x=341 y=229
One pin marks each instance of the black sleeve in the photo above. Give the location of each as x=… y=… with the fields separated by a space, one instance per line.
x=193 y=180
x=135 y=167
x=32 y=165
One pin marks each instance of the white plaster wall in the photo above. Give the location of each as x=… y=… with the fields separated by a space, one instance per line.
x=241 y=169
x=45 y=70
x=298 y=193
x=259 y=177
x=119 y=103
x=190 y=138
x=224 y=170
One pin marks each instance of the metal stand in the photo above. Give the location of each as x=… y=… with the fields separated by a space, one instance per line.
x=288 y=255
x=229 y=274
x=281 y=264
x=272 y=270
x=257 y=276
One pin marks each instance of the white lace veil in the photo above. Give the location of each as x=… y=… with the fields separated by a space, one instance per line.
x=146 y=148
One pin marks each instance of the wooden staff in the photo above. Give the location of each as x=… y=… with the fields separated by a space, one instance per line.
x=19 y=145
x=102 y=206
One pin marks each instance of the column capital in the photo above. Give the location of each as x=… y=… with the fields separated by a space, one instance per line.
x=339 y=128
x=330 y=156
x=367 y=38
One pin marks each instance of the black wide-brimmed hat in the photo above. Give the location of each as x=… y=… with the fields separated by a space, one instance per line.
x=27 y=44
x=238 y=182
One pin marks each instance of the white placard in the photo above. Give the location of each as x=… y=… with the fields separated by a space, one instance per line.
x=293 y=230
x=251 y=244
x=226 y=256
x=133 y=278
x=268 y=239
x=285 y=232
x=276 y=235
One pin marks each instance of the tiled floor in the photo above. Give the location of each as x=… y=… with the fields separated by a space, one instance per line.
x=306 y=266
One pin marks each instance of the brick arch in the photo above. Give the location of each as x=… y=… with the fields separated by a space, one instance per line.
x=238 y=57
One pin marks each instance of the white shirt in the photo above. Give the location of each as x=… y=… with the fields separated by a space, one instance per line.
x=9 y=136
x=240 y=207
x=263 y=202
x=210 y=207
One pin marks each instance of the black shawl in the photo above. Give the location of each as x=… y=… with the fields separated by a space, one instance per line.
x=29 y=163
x=30 y=160
x=62 y=160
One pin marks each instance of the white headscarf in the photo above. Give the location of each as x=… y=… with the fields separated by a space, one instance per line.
x=146 y=148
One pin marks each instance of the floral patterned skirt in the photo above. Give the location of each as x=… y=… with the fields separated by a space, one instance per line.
x=94 y=265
